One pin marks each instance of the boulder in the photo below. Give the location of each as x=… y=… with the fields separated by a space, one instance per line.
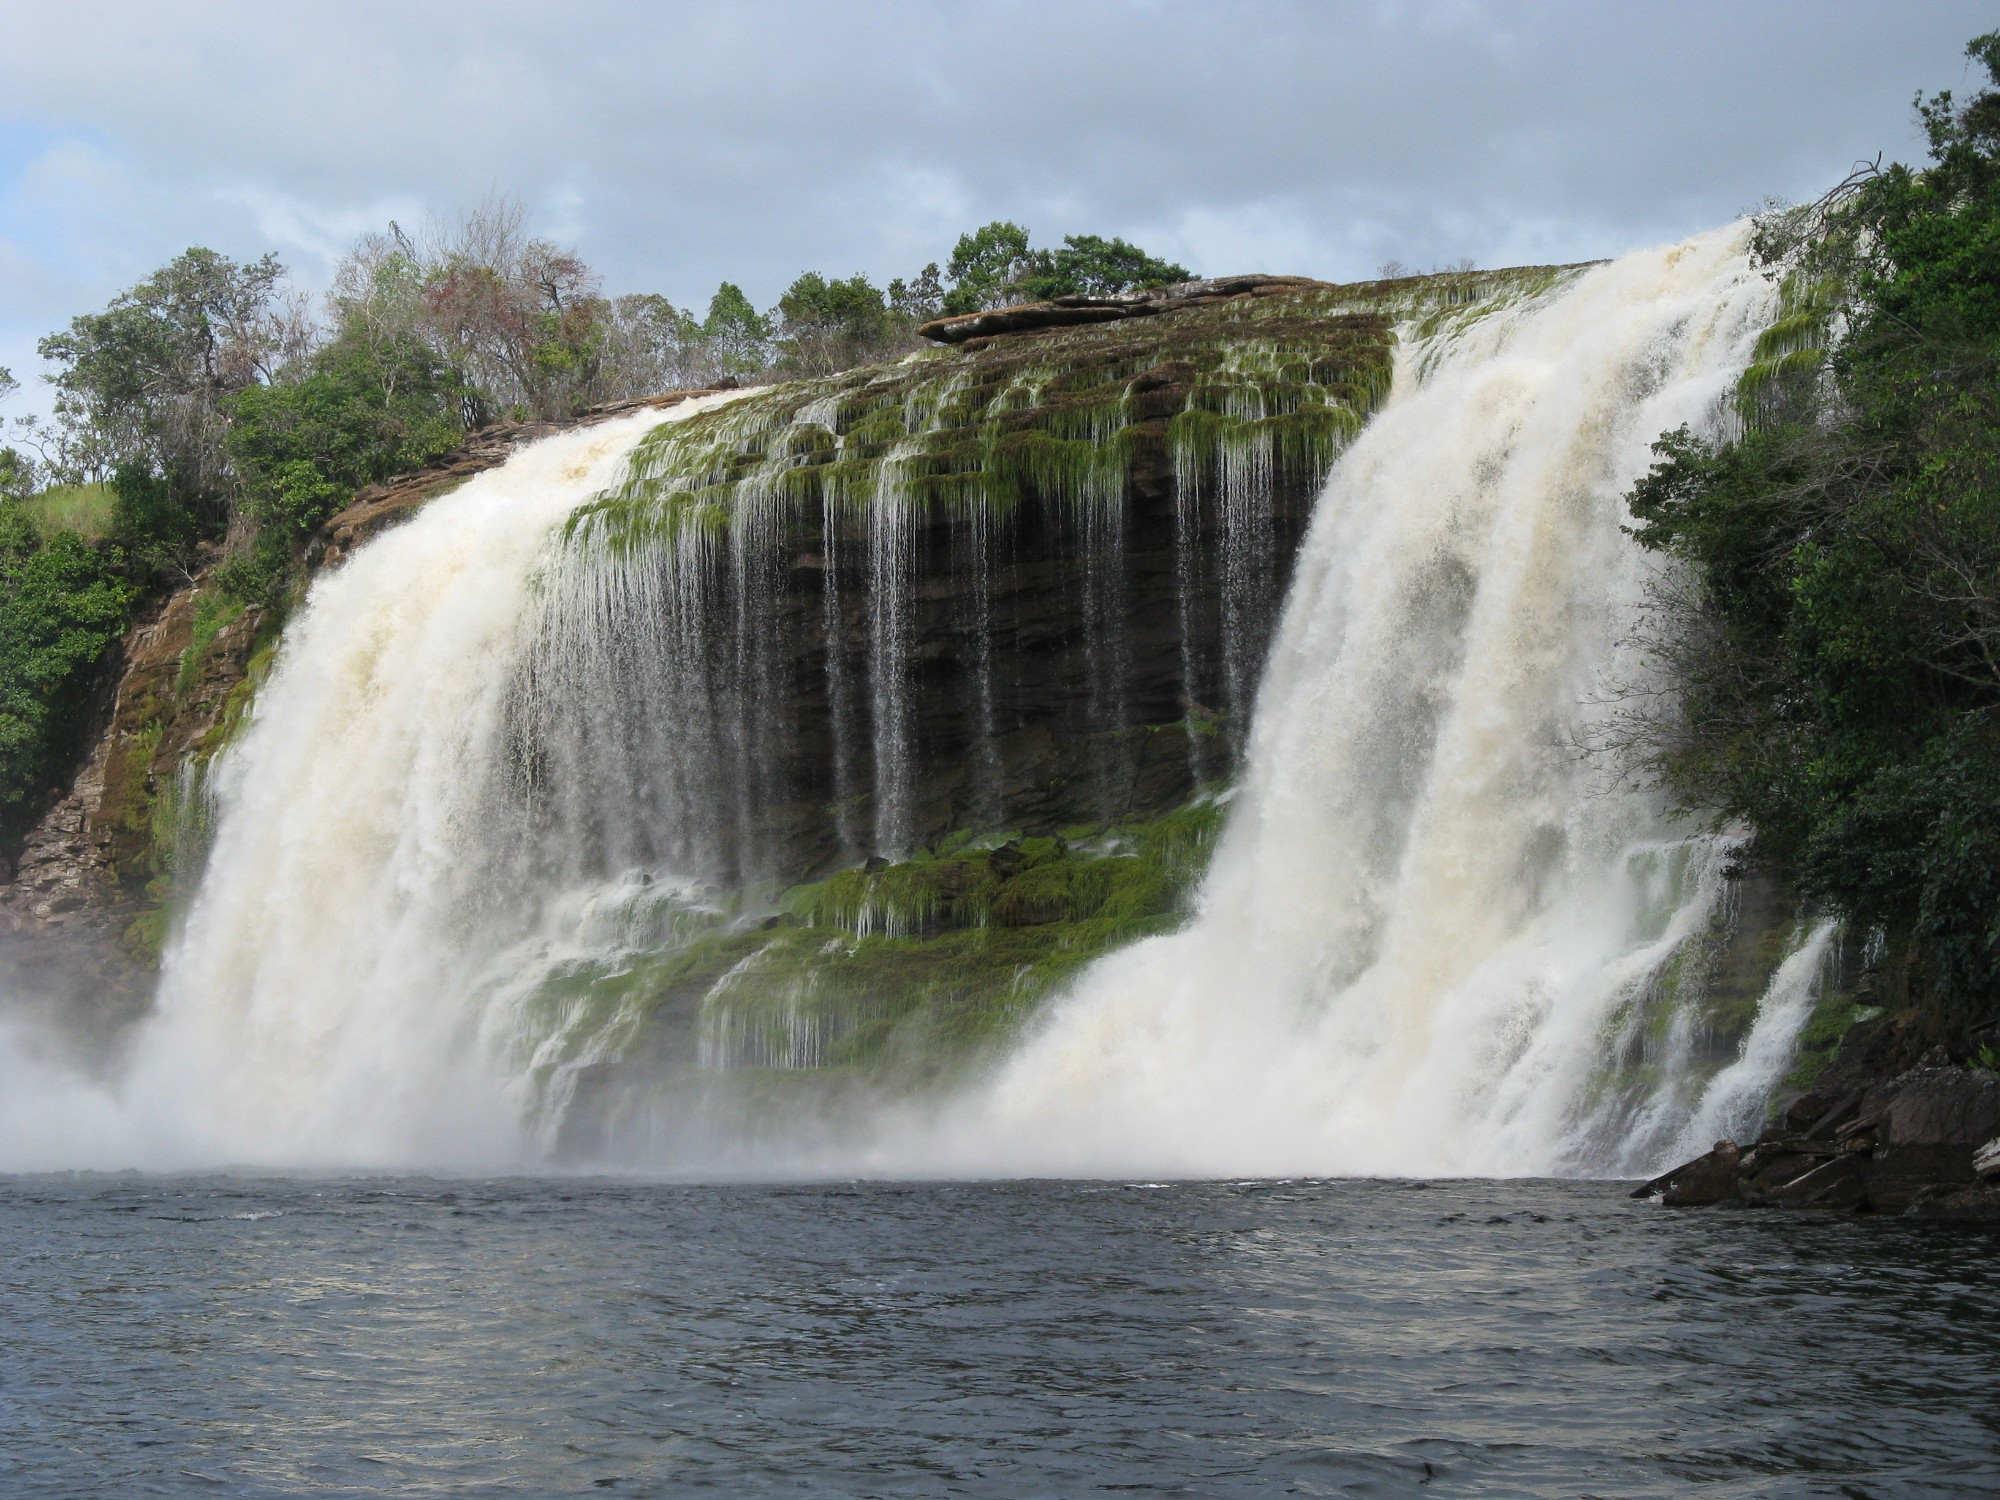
x=1978 y=1203
x=1706 y=1180
x=1899 y=1176
x=1817 y=1117
x=1942 y=1106
x=1828 y=1182
x=1925 y=1143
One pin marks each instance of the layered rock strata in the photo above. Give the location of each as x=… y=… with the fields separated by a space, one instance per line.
x=1069 y=312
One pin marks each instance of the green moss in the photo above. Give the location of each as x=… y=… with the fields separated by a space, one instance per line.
x=171 y=817
x=1057 y=417
x=236 y=707
x=128 y=804
x=902 y=972
x=1791 y=352
x=1731 y=995
x=1834 y=1014
x=213 y=613
x=145 y=936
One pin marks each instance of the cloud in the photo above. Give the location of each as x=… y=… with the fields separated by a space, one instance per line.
x=676 y=144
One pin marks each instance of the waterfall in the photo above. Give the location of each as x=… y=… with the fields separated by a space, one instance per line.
x=584 y=706
x=1429 y=917
x=346 y=986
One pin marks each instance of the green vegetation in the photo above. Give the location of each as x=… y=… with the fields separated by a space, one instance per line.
x=88 y=510
x=1833 y=1016
x=906 y=969
x=995 y=265
x=1061 y=417
x=214 y=611
x=361 y=411
x=63 y=603
x=1834 y=636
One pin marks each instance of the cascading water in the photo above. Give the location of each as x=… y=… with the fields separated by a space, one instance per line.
x=344 y=984
x=540 y=732
x=1429 y=920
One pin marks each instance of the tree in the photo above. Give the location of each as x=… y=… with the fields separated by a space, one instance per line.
x=987 y=268
x=149 y=378
x=739 y=337
x=825 y=325
x=652 y=346
x=519 y=315
x=17 y=475
x=369 y=407
x=17 y=469
x=1833 y=648
x=918 y=300
x=996 y=266
x=1090 y=266
x=379 y=309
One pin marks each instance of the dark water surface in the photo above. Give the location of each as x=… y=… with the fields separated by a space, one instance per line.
x=217 y=1335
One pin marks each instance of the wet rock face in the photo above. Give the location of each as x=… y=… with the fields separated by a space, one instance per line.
x=80 y=911
x=1925 y=1143
x=1020 y=583
x=84 y=867
x=1048 y=670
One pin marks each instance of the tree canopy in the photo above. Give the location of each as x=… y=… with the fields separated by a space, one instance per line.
x=1835 y=654
x=995 y=265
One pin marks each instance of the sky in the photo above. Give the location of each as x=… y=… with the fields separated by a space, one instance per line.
x=676 y=145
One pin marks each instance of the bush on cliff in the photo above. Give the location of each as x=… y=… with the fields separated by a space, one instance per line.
x=364 y=411
x=995 y=265
x=64 y=602
x=1836 y=654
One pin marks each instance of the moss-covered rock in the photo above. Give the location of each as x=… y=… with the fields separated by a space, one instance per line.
x=898 y=975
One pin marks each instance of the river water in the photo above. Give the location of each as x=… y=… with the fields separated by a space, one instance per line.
x=397 y=1335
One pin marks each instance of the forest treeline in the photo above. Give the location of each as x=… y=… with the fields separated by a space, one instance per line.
x=1832 y=640
x=214 y=415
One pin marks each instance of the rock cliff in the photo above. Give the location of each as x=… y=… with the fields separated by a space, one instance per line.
x=1276 y=370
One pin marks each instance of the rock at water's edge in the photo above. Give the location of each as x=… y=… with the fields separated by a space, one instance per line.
x=1921 y=1145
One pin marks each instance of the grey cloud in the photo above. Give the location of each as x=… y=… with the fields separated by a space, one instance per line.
x=677 y=144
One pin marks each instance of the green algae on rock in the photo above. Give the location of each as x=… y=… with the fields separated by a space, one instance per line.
x=896 y=975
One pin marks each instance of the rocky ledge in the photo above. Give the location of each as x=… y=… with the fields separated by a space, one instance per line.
x=1924 y=1144
x=1069 y=312
x=382 y=505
